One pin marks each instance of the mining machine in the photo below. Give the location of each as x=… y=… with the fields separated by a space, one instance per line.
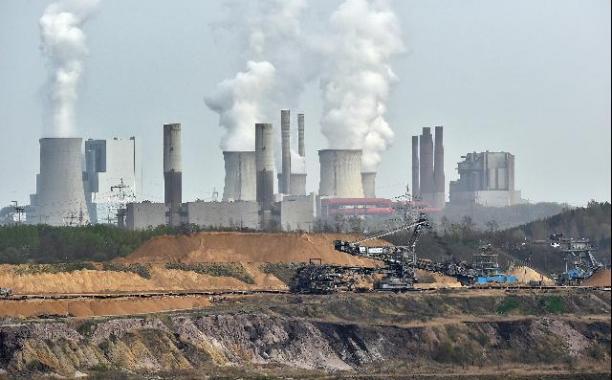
x=396 y=274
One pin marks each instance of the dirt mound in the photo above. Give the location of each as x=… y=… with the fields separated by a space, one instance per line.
x=525 y=275
x=600 y=278
x=99 y=281
x=428 y=279
x=246 y=247
x=89 y=307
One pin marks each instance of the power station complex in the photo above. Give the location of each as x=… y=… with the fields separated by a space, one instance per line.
x=99 y=183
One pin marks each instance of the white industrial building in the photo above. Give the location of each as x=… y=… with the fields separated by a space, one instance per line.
x=145 y=215
x=112 y=176
x=299 y=212
x=238 y=214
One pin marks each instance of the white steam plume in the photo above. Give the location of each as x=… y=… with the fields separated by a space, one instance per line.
x=63 y=43
x=280 y=62
x=356 y=81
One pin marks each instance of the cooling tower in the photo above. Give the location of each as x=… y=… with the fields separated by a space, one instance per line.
x=368 y=182
x=439 y=195
x=298 y=184
x=60 y=198
x=285 y=185
x=264 y=164
x=301 y=150
x=240 y=176
x=340 y=173
x=426 y=169
x=173 y=188
x=416 y=188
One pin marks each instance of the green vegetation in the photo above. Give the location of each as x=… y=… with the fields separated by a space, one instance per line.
x=216 y=269
x=45 y=244
x=143 y=271
x=553 y=305
x=283 y=271
x=53 y=268
x=508 y=305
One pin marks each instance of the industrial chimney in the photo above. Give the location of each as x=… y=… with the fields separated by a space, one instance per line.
x=426 y=162
x=416 y=188
x=301 y=150
x=285 y=186
x=173 y=188
x=60 y=196
x=340 y=173
x=264 y=164
x=439 y=196
x=240 y=176
x=368 y=182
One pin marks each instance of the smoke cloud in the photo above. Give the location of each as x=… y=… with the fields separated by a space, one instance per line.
x=280 y=62
x=357 y=77
x=63 y=43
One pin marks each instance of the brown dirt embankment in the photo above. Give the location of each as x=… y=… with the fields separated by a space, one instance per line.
x=246 y=247
x=99 y=281
x=600 y=278
x=88 y=307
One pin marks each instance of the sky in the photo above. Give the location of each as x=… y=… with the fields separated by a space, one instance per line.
x=523 y=76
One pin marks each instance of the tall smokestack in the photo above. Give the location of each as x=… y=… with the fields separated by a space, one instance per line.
x=264 y=164
x=426 y=162
x=301 y=150
x=368 y=182
x=416 y=188
x=239 y=176
x=60 y=196
x=340 y=173
x=173 y=187
x=439 y=198
x=285 y=187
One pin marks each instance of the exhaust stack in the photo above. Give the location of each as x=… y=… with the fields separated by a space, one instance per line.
x=439 y=195
x=426 y=163
x=264 y=164
x=285 y=185
x=173 y=181
x=416 y=188
x=301 y=150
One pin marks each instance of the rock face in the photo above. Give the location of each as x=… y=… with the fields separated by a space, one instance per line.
x=192 y=341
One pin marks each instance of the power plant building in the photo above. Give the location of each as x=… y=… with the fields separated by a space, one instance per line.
x=112 y=176
x=236 y=214
x=145 y=215
x=60 y=194
x=487 y=179
x=299 y=212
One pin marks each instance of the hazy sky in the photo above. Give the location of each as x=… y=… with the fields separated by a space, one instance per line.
x=528 y=77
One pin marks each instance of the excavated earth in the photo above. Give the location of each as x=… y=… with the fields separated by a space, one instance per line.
x=456 y=334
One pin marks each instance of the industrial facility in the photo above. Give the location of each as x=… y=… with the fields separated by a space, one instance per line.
x=428 y=179
x=486 y=179
x=104 y=189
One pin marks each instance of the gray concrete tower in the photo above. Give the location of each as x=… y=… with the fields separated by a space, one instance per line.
x=264 y=164
x=173 y=187
x=340 y=173
x=60 y=196
x=240 y=176
x=426 y=163
x=416 y=188
x=439 y=196
x=368 y=182
x=285 y=186
x=301 y=149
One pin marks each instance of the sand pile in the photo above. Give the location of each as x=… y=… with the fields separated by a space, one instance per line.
x=600 y=278
x=246 y=247
x=428 y=279
x=88 y=307
x=94 y=281
x=525 y=275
